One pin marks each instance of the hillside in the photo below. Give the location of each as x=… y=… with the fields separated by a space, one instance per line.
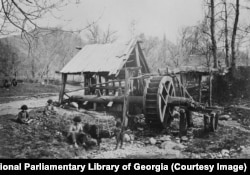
x=48 y=51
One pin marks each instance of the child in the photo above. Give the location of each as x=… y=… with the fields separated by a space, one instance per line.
x=23 y=116
x=49 y=108
x=76 y=134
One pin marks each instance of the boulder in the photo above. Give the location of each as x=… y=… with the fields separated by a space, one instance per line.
x=179 y=147
x=165 y=138
x=126 y=138
x=152 y=141
x=168 y=145
x=224 y=152
x=184 y=138
x=224 y=117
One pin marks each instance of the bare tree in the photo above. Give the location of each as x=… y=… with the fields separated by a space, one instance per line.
x=226 y=33
x=235 y=27
x=96 y=35
x=109 y=36
x=212 y=31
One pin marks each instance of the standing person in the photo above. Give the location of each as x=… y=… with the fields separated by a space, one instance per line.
x=76 y=134
x=23 y=116
x=49 y=108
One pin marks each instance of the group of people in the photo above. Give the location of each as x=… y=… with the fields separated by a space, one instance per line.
x=77 y=134
x=24 y=118
x=7 y=83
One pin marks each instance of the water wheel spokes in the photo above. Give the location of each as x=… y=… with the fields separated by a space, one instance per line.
x=156 y=104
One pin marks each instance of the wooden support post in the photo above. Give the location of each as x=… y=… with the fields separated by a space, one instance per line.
x=138 y=63
x=200 y=88
x=64 y=80
x=206 y=120
x=190 y=122
x=106 y=90
x=183 y=123
x=125 y=102
x=214 y=121
x=113 y=86
x=100 y=81
x=210 y=88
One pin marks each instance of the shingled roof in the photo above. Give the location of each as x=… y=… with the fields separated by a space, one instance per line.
x=108 y=58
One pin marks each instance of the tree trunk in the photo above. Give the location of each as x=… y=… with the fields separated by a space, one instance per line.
x=33 y=71
x=212 y=28
x=226 y=35
x=237 y=12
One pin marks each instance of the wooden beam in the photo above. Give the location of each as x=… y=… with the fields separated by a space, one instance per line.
x=131 y=68
x=210 y=88
x=107 y=99
x=137 y=56
x=64 y=80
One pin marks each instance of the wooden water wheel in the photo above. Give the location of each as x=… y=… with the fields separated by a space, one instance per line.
x=156 y=95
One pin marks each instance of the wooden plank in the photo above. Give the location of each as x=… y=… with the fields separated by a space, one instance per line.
x=130 y=68
x=240 y=107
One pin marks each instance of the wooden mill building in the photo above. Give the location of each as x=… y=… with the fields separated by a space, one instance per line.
x=103 y=66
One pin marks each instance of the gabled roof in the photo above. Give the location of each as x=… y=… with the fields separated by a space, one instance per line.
x=108 y=58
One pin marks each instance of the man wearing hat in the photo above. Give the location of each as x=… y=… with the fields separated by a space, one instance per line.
x=76 y=134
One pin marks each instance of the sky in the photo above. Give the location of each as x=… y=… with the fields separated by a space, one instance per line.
x=151 y=17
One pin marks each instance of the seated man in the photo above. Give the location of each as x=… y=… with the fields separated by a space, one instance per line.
x=23 y=116
x=76 y=134
x=49 y=108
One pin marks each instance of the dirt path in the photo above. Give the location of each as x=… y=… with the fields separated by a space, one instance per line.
x=32 y=102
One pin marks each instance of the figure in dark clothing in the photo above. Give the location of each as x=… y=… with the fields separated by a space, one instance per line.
x=14 y=82
x=23 y=116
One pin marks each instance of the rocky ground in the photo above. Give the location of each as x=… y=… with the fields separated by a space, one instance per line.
x=45 y=137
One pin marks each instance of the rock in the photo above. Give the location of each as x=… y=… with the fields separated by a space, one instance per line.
x=184 y=138
x=242 y=147
x=140 y=129
x=169 y=145
x=210 y=156
x=177 y=140
x=203 y=155
x=126 y=138
x=219 y=155
x=179 y=147
x=224 y=117
x=239 y=114
x=224 y=152
x=165 y=138
x=226 y=156
x=152 y=141
x=232 y=150
x=234 y=155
